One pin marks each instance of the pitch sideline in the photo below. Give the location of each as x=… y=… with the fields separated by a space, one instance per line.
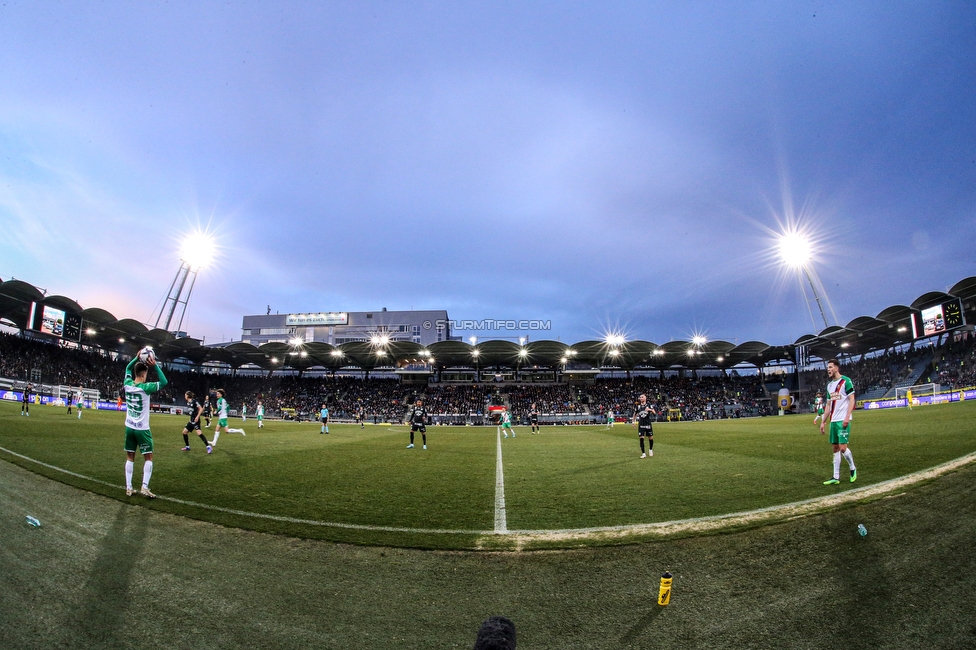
x=710 y=523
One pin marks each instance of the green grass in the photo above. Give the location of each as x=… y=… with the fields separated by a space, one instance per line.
x=566 y=478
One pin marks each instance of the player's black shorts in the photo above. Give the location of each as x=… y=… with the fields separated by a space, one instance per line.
x=206 y=413
x=533 y=420
x=325 y=420
x=641 y=431
x=192 y=426
x=422 y=428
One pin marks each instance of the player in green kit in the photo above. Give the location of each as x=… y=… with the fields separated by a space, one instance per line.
x=819 y=405
x=260 y=414
x=840 y=409
x=506 y=422
x=137 y=434
x=222 y=418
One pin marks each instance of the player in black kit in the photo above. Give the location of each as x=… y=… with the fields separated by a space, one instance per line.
x=194 y=423
x=28 y=396
x=644 y=417
x=418 y=422
x=534 y=419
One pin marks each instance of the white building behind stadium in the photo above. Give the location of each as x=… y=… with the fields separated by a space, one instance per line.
x=419 y=326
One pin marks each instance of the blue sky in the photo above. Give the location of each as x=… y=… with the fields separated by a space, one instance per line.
x=590 y=164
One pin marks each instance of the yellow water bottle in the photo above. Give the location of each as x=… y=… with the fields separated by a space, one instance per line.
x=664 y=595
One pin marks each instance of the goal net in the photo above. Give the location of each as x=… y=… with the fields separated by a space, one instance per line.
x=921 y=390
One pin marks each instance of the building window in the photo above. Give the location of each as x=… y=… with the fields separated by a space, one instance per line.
x=272 y=331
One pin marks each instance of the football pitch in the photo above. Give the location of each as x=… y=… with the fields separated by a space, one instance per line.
x=566 y=487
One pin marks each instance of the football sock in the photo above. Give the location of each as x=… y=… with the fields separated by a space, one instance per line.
x=147 y=474
x=642 y=445
x=128 y=474
x=322 y=430
x=216 y=435
x=186 y=440
x=650 y=444
x=326 y=429
x=837 y=464
x=424 y=436
x=411 y=437
x=849 y=457
x=202 y=437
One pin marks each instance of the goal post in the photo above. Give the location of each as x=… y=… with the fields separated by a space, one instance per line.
x=920 y=390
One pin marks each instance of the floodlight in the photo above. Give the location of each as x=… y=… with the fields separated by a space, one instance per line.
x=274 y=359
x=197 y=250
x=564 y=360
x=121 y=340
x=902 y=329
x=296 y=341
x=794 y=249
x=699 y=340
x=720 y=359
x=691 y=352
x=845 y=344
x=473 y=340
x=381 y=353
x=614 y=339
x=614 y=352
x=523 y=352
x=521 y=340
x=336 y=353
x=90 y=332
x=658 y=352
x=303 y=353
x=475 y=353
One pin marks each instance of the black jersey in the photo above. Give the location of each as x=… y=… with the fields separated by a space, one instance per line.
x=533 y=415
x=28 y=392
x=418 y=415
x=195 y=408
x=645 y=415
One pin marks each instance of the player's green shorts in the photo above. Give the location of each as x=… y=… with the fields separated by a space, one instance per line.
x=222 y=422
x=506 y=425
x=260 y=417
x=820 y=411
x=138 y=439
x=839 y=434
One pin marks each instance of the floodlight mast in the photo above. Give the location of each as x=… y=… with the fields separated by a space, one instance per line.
x=796 y=251
x=816 y=296
x=175 y=297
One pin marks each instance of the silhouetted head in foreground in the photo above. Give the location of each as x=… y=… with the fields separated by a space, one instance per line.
x=496 y=633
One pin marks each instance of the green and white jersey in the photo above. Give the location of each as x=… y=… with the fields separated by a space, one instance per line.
x=506 y=417
x=840 y=392
x=260 y=410
x=137 y=398
x=222 y=409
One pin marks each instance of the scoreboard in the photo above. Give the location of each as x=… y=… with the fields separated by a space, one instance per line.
x=55 y=322
x=939 y=318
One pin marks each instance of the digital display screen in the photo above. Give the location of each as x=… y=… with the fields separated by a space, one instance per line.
x=937 y=319
x=52 y=321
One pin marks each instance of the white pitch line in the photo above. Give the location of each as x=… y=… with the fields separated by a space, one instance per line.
x=501 y=525
x=796 y=508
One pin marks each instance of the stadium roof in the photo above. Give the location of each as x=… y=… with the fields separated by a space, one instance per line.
x=864 y=334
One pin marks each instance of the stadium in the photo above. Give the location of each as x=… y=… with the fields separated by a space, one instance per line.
x=721 y=462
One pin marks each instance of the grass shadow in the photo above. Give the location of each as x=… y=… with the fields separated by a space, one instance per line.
x=641 y=625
